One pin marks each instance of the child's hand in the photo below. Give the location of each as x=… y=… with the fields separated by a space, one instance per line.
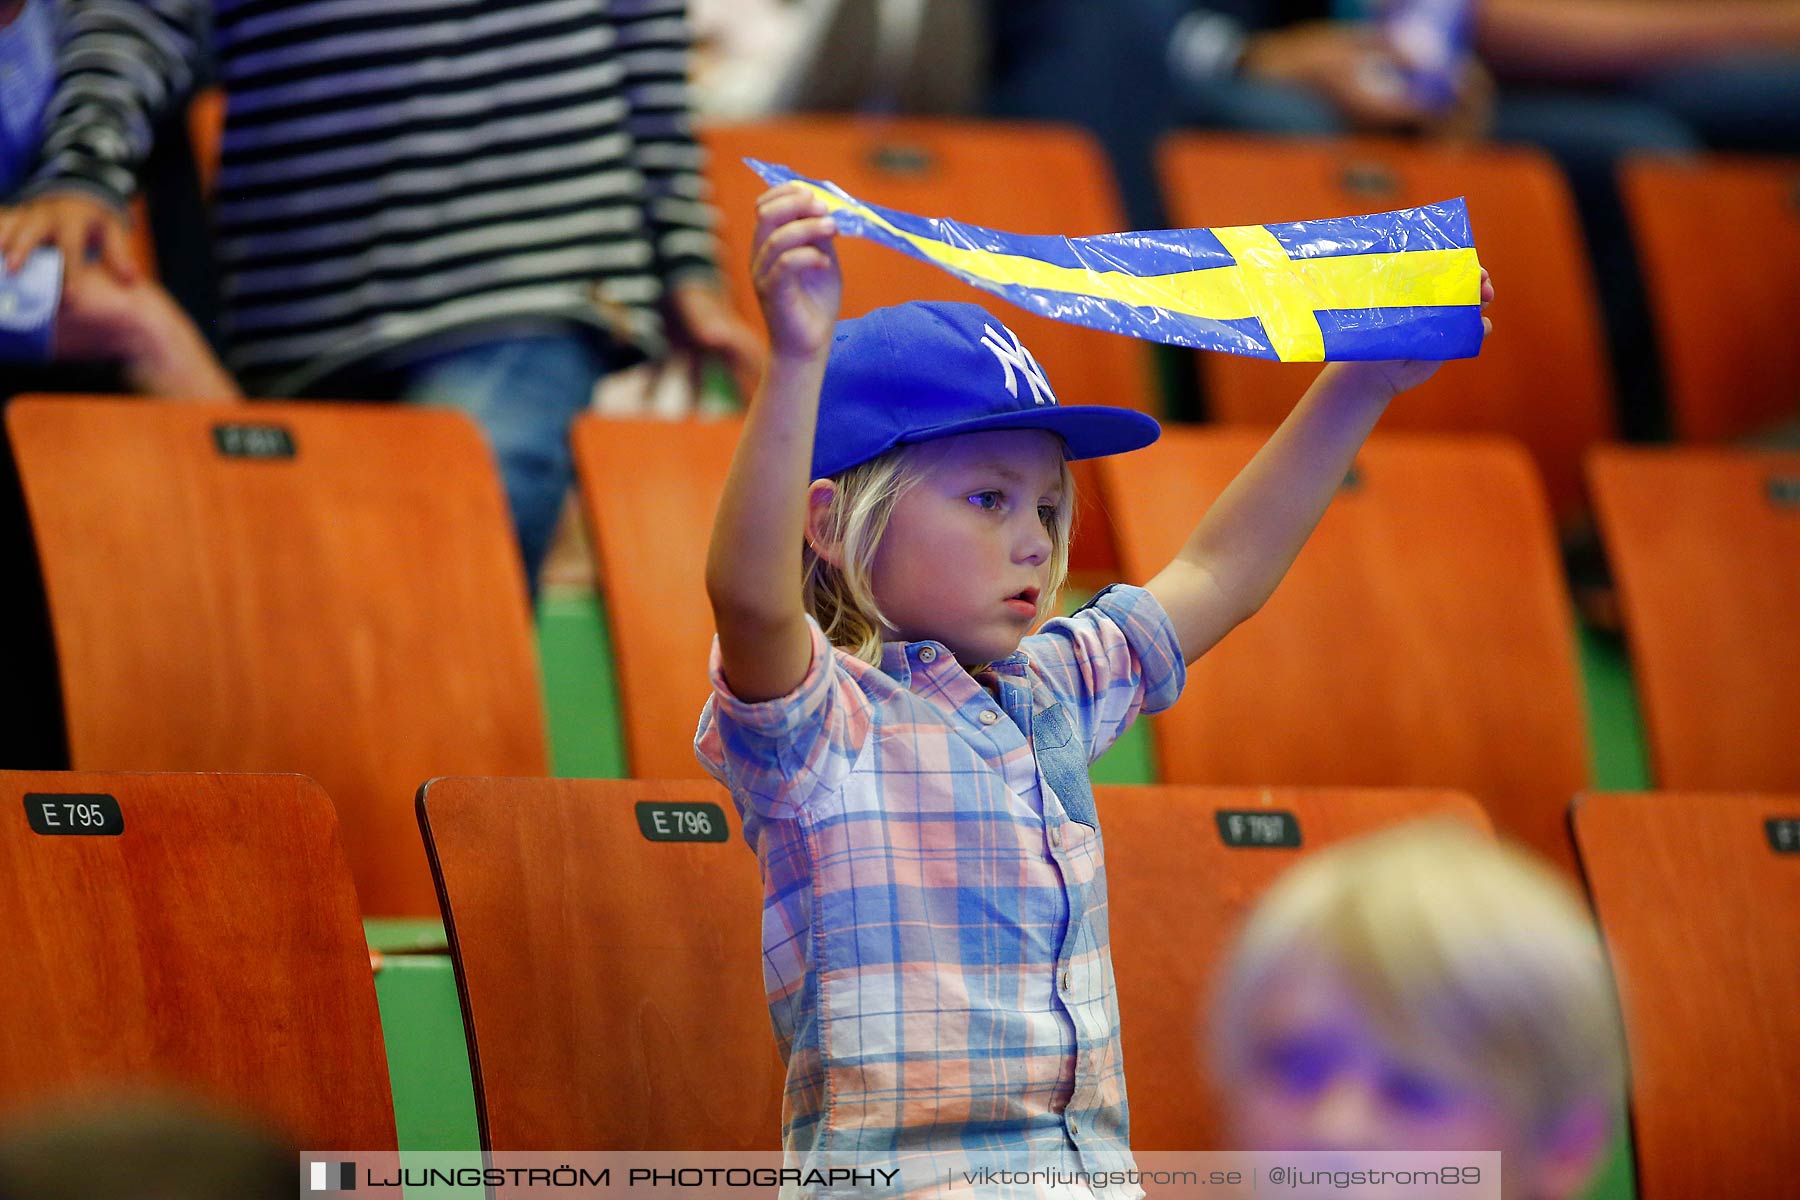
x=1398 y=376
x=795 y=267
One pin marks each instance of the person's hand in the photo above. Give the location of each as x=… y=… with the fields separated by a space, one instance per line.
x=1470 y=116
x=140 y=326
x=794 y=263
x=100 y=319
x=73 y=222
x=1349 y=64
x=1403 y=374
x=704 y=324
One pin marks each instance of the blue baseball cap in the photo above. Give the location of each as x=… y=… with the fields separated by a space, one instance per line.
x=930 y=369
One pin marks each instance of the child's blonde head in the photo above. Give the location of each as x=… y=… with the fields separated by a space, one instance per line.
x=1459 y=951
x=838 y=582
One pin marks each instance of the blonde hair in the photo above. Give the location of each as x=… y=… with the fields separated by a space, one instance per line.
x=1459 y=948
x=841 y=598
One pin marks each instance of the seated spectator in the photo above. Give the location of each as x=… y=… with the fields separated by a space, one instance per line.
x=111 y=315
x=110 y=330
x=1671 y=75
x=1423 y=989
x=492 y=218
x=1588 y=81
x=1294 y=69
x=1591 y=81
x=1728 y=72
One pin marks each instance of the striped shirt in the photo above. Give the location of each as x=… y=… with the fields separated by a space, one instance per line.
x=399 y=172
x=935 y=944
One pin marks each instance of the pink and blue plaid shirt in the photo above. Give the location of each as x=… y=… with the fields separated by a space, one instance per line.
x=935 y=941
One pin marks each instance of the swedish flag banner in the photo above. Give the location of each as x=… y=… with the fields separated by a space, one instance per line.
x=1402 y=284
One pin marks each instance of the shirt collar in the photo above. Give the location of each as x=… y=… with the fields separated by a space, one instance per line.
x=900 y=659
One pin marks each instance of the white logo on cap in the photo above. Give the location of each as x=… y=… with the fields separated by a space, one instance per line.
x=1016 y=355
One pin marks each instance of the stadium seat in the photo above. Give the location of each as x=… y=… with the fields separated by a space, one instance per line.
x=206 y=128
x=612 y=983
x=1542 y=378
x=1717 y=239
x=1704 y=545
x=648 y=490
x=1021 y=178
x=286 y=587
x=141 y=243
x=1423 y=638
x=1698 y=896
x=188 y=933
x=1177 y=892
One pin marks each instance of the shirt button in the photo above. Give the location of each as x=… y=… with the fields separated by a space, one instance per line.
x=927 y=654
x=1065 y=981
x=989 y=716
x=1056 y=836
x=1073 y=1127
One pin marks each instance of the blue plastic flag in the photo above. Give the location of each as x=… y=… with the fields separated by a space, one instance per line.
x=1402 y=284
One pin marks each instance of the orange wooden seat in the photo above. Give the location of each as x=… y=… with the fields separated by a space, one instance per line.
x=286 y=587
x=142 y=244
x=1717 y=239
x=612 y=984
x=1543 y=376
x=649 y=489
x=191 y=933
x=1701 y=914
x=1177 y=894
x=1705 y=548
x=1423 y=638
x=206 y=129
x=1022 y=178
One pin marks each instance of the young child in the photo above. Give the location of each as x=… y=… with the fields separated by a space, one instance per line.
x=1423 y=989
x=911 y=768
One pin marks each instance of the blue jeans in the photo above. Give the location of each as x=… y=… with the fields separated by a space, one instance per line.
x=524 y=392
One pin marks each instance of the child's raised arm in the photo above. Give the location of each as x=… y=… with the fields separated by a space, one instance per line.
x=1253 y=532
x=753 y=565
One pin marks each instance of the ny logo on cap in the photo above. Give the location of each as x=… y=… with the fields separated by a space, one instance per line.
x=1016 y=355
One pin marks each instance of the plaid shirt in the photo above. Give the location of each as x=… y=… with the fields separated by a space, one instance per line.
x=935 y=940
